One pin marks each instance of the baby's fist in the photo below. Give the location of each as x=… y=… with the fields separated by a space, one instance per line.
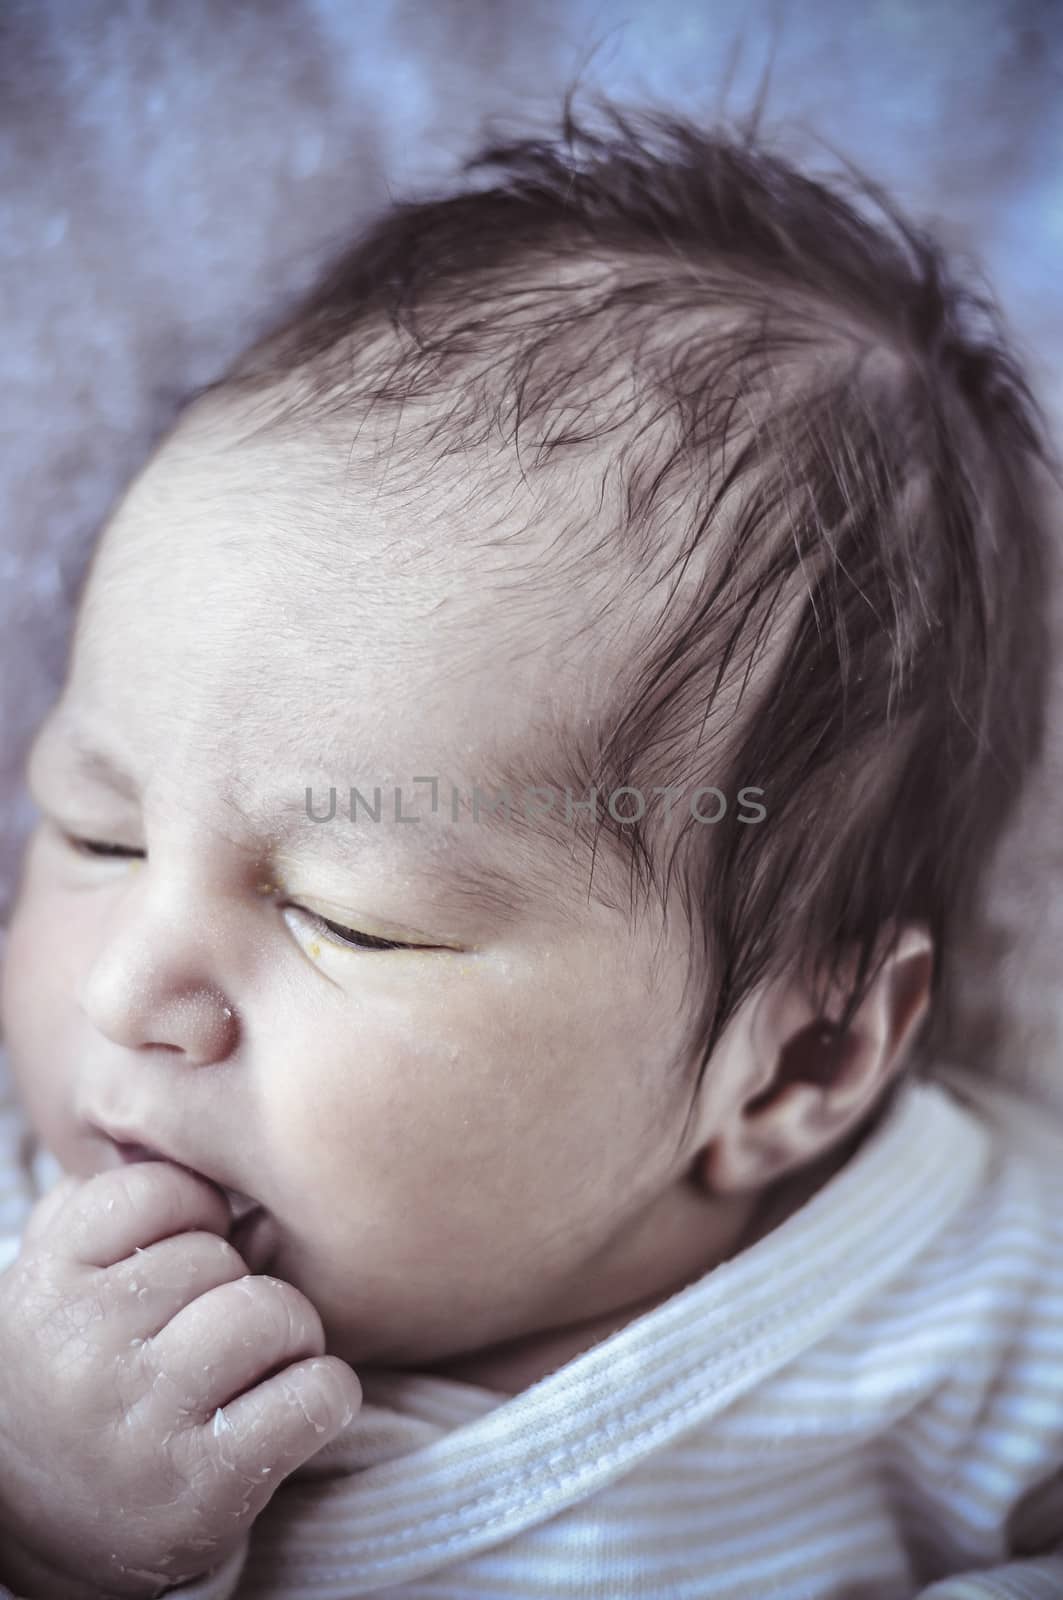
x=153 y=1394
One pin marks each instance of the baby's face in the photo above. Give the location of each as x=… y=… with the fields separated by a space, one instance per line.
x=458 y=1141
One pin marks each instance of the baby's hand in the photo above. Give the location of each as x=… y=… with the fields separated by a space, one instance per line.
x=140 y=1430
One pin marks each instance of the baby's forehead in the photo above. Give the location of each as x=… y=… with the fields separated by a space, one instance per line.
x=345 y=526
x=482 y=622
x=295 y=579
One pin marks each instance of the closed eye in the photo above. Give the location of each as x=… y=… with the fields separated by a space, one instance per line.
x=93 y=847
x=349 y=937
x=355 y=940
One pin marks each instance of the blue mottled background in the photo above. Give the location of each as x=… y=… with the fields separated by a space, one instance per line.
x=170 y=174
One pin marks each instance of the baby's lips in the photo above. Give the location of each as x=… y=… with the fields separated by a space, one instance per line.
x=239 y=1205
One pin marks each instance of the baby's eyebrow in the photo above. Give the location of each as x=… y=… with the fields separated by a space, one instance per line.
x=80 y=755
x=446 y=853
x=459 y=859
x=454 y=861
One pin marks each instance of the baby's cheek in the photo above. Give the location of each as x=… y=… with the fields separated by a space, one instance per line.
x=29 y=990
x=406 y=1136
x=49 y=945
x=346 y=1112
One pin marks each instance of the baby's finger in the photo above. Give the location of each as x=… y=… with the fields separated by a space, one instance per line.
x=273 y=1429
x=115 y=1212
x=149 y=1288
x=47 y=1209
x=229 y=1339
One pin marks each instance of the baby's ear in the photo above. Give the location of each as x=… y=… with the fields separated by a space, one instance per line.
x=796 y=1087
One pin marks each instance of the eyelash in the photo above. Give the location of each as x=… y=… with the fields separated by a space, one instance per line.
x=349 y=937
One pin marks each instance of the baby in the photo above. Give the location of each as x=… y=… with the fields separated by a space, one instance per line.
x=478 y=1003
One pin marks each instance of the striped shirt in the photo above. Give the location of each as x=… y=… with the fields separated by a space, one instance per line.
x=847 y=1410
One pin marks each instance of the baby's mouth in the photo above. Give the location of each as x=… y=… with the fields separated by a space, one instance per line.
x=252 y=1231
x=240 y=1205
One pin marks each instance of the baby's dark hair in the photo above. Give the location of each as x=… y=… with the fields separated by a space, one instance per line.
x=817 y=418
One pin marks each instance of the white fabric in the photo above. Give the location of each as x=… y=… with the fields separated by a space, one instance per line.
x=846 y=1411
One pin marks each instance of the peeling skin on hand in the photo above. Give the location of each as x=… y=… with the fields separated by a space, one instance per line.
x=294 y=1393
x=146 y=1575
x=221 y=1426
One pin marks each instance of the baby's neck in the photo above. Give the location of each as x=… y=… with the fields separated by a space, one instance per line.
x=513 y=1366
